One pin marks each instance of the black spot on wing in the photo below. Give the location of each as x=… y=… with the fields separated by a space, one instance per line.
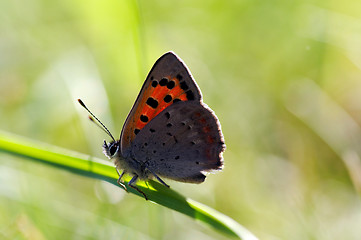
x=183 y=85
x=190 y=95
x=152 y=102
x=167 y=98
x=163 y=82
x=180 y=77
x=170 y=84
x=144 y=118
x=154 y=83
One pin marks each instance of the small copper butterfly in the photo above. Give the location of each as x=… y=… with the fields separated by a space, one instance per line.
x=169 y=132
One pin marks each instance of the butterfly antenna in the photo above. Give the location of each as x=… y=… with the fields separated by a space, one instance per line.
x=92 y=117
x=98 y=125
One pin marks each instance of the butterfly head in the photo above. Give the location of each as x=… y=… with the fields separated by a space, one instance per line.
x=111 y=149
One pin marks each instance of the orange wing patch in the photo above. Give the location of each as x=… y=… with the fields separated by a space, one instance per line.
x=159 y=95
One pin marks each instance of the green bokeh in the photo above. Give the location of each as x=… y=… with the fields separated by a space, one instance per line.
x=282 y=76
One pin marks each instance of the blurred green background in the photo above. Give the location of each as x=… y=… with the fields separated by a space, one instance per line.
x=282 y=76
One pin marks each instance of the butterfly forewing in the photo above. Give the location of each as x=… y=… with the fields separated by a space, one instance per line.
x=168 y=82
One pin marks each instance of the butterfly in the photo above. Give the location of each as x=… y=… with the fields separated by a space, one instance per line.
x=169 y=131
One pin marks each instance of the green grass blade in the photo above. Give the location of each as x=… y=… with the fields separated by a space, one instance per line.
x=96 y=168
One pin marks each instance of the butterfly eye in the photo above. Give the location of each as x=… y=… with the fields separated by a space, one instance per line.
x=110 y=149
x=113 y=149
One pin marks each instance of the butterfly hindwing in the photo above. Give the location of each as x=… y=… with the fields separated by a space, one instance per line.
x=181 y=142
x=168 y=82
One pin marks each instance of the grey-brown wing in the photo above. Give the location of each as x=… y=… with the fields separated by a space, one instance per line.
x=181 y=142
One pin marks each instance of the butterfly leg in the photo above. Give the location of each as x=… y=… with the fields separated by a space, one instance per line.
x=159 y=179
x=119 y=181
x=130 y=184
